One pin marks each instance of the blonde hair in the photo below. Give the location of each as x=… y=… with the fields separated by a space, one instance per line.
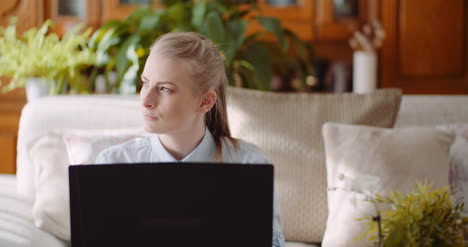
x=206 y=64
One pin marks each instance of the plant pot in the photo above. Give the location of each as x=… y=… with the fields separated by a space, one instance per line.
x=36 y=88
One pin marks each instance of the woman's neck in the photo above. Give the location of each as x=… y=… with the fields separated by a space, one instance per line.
x=182 y=143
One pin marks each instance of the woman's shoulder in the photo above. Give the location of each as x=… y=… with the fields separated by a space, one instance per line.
x=241 y=151
x=126 y=149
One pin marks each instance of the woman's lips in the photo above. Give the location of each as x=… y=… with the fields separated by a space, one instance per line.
x=149 y=117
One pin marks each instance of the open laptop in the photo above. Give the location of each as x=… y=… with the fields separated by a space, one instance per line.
x=171 y=204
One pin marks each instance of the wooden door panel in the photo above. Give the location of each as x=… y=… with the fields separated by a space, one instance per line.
x=431 y=38
x=425 y=51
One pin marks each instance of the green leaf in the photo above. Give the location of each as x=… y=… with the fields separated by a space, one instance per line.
x=216 y=6
x=273 y=25
x=214 y=29
x=138 y=14
x=149 y=23
x=121 y=60
x=236 y=30
x=238 y=14
x=107 y=41
x=235 y=40
x=177 y=13
x=170 y=2
x=259 y=57
x=198 y=13
x=246 y=65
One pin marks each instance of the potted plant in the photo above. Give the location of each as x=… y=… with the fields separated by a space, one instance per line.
x=424 y=217
x=38 y=60
x=251 y=61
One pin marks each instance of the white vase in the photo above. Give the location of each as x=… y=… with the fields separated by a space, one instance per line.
x=36 y=88
x=364 y=71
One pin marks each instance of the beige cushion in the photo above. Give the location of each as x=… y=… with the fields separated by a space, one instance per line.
x=52 y=154
x=287 y=126
x=395 y=157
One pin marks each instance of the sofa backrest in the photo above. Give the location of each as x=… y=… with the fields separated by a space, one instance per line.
x=431 y=110
x=67 y=112
x=99 y=112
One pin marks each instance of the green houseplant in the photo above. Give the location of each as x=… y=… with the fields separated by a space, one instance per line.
x=423 y=217
x=37 y=54
x=122 y=46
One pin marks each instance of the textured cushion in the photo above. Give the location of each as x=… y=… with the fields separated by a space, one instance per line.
x=52 y=154
x=287 y=126
x=16 y=227
x=383 y=160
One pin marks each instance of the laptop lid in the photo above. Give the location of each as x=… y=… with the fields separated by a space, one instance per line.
x=171 y=204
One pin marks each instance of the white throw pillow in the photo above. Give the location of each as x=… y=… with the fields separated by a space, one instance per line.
x=288 y=127
x=459 y=161
x=52 y=154
x=396 y=157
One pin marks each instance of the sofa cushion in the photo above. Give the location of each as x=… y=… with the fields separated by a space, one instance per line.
x=362 y=161
x=287 y=126
x=52 y=154
x=16 y=227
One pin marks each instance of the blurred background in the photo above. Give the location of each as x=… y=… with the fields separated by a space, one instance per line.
x=309 y=46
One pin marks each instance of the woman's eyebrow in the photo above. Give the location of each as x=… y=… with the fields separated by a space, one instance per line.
x=166 y=82
x=143 y=78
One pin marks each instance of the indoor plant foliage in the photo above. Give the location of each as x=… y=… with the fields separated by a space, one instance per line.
x=37 y=54
x=423 y=217
x=250 y=60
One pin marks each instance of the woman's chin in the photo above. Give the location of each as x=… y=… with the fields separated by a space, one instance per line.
x=152 y=129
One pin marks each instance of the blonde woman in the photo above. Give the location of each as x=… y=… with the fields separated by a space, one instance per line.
x=184 y=105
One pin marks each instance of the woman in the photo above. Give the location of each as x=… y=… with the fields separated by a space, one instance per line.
x=184 y=105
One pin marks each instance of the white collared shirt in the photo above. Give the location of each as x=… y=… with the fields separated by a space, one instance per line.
x=150 y=149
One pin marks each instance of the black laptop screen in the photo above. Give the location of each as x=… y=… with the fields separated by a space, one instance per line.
x=171 y=204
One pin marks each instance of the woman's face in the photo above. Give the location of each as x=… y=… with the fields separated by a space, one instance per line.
x=170 y=105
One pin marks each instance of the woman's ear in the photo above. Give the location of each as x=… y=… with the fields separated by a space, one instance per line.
x=208 y=101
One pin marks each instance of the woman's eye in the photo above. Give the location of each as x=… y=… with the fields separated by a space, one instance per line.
x=165 y=89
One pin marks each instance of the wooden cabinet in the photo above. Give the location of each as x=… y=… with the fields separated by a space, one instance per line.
x=10 y=110
x=426 y=48
x=94 y=13
x=67 y=13
x=337 y=19
x=296 y=15
x=30 y=13
x=313 y=20
x=321 y=20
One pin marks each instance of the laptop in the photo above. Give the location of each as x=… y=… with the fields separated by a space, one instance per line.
x=171 y=204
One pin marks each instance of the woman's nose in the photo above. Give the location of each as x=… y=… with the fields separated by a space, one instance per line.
x=148 y=99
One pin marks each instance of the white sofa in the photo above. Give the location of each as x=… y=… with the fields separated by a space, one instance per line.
x=18 y=192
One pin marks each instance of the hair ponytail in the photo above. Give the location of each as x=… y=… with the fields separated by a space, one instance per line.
x=217 y=122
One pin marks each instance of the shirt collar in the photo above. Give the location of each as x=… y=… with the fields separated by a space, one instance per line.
x=203 y=152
